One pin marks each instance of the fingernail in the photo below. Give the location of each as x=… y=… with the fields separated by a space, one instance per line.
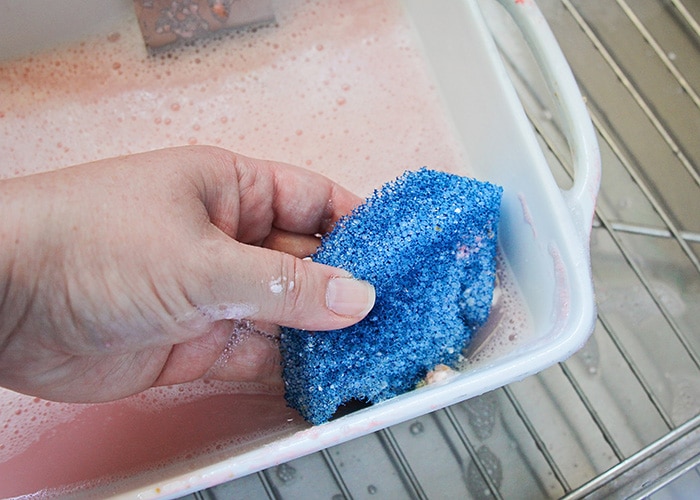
x=350 y=297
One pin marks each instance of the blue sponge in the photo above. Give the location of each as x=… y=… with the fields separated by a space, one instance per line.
x=427 y=242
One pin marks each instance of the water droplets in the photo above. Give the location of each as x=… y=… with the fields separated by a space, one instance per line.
x=589 y=356
x=241 y=331
x=476 y=483
x=285 y=473
x=416 y=428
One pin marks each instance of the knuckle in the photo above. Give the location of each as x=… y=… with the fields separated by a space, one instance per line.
x=289 y=285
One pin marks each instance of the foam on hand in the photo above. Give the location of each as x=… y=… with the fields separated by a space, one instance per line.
x=427 y=242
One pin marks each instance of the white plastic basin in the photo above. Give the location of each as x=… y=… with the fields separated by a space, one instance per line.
x=543 y=236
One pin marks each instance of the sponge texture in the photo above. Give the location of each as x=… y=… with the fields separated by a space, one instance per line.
x=427 y=242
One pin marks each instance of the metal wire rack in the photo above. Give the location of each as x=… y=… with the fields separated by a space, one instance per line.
x=622 y=417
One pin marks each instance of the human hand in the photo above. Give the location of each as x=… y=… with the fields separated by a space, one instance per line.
x=134 y=271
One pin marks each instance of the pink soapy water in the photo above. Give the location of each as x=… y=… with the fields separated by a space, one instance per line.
x=354 y=107
x=93 y=445
x=337 y=87
x=508 y=326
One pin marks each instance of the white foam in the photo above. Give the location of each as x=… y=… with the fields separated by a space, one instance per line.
x=277 y=285
x=360 y=106
x=439 y=374
x=23 y=418
x=216 y=312
x=509 y=324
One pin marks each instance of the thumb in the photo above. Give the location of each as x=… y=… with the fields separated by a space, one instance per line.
x=257 y=283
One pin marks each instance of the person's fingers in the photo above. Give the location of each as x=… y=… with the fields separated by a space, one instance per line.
x=229 y=350
x=300 y=201
x=246 y=197
x=251 y=354
x=298 y=245
x=239 y=281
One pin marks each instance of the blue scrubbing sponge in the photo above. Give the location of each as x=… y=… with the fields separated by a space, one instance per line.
x=427 y=242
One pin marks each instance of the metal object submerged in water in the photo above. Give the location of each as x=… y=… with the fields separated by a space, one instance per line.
x=164 y=22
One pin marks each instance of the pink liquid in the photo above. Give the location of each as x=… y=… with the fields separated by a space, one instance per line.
x=338 y=87
x=174 y=429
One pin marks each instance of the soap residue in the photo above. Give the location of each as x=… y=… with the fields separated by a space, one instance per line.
x=509 y=323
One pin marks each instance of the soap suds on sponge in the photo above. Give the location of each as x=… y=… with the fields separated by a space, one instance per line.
x=427 y=242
